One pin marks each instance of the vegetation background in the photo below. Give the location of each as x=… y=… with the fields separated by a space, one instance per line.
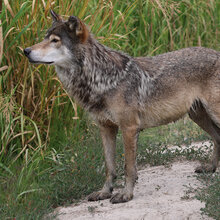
x=50 y=151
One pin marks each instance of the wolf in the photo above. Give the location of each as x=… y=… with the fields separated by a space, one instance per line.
x=132 y=93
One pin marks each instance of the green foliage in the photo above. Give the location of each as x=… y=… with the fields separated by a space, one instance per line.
x=210 y=195
x=49 y=153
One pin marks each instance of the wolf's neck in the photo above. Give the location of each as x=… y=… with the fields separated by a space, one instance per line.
x=103 y=67
x=100 y=71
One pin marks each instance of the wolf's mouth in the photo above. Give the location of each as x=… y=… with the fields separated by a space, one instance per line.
x=39 y=62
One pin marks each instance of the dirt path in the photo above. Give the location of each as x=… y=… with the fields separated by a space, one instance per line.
x=161 y=193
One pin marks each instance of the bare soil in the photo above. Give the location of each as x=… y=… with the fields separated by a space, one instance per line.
x=161 y=193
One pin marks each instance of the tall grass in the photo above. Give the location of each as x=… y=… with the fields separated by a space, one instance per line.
x=36 y=114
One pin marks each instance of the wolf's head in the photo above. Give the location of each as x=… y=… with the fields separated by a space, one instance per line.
x=61 y=44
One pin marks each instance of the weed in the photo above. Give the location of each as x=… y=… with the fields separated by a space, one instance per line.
x=91 y=209
x=210 y=194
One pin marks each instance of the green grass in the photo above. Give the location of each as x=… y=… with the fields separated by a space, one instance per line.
x=210 y=194
x=50 y=152
x=74 y=168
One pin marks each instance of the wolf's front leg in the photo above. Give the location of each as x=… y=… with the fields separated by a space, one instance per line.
x=108 y=133
x=130 y=136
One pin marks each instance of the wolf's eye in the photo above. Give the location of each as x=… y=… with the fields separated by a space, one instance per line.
x=54 y=40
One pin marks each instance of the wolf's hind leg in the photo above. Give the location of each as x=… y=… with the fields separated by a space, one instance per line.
x=205 y=120
x=108 y=133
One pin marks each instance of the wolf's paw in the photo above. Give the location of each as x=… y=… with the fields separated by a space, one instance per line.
x=205 y=169
x=121 y=197
x=95 y=196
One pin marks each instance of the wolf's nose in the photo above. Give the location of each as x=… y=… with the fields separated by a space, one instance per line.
x=27 y=51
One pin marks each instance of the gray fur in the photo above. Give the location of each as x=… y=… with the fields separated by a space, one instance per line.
x=132 y=93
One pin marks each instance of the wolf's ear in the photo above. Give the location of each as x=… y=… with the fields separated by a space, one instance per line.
x=77 y=26
x=55 y=16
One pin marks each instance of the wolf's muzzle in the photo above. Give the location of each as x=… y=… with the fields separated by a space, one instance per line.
x=27 y=52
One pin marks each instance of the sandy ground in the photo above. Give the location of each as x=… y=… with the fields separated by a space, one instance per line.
x=160 y=193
